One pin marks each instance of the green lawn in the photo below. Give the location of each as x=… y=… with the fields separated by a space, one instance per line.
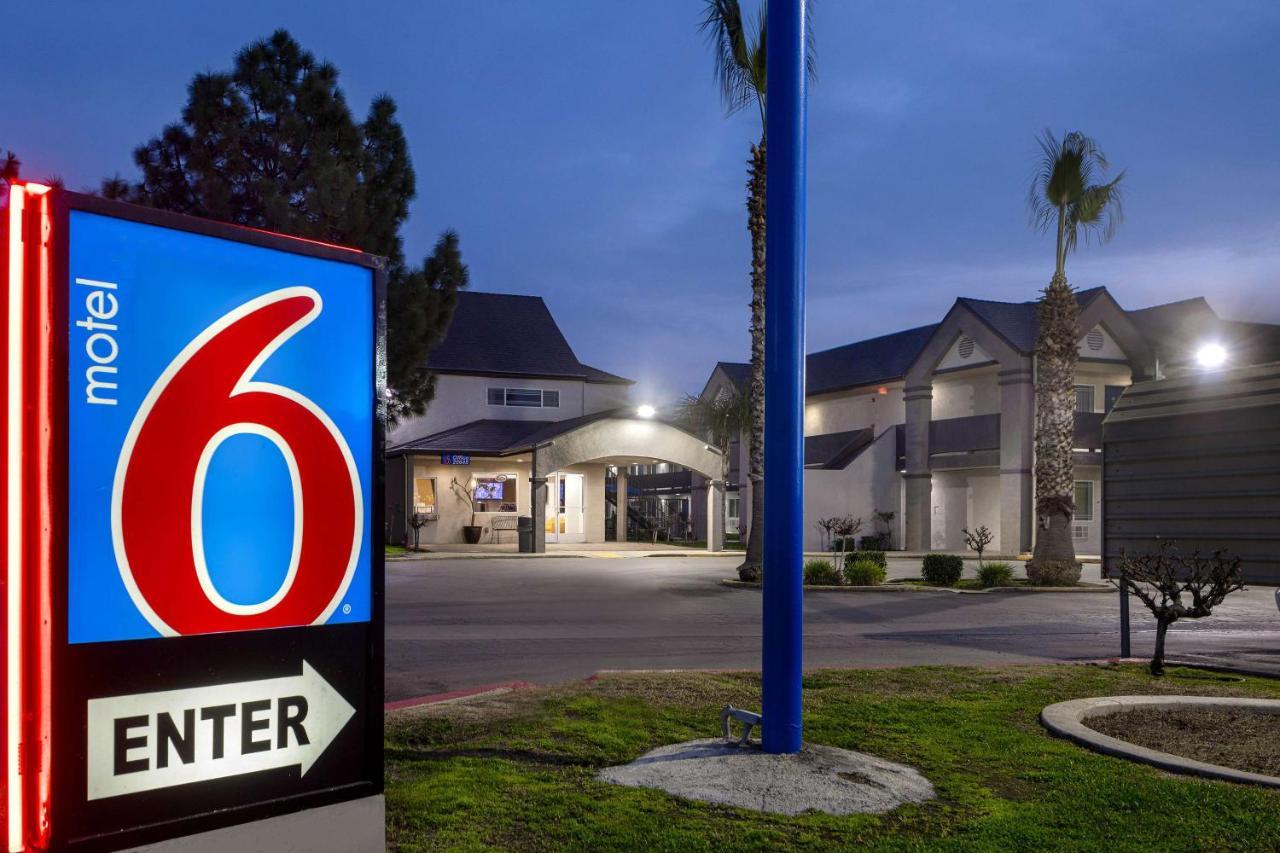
x=516 y=771
x=394 y=550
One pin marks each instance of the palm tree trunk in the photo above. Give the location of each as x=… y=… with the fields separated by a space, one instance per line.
x=755 y=462
x=1056 y=354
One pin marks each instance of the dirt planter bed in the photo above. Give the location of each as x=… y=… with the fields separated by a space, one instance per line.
x=1070 y=720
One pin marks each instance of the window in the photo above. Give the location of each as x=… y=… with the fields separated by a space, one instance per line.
x=1084 y=500
x=424 y=495
x=528 y=398
x=1084 y=398
x=496 y=493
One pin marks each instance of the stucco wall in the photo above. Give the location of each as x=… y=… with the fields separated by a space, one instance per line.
x=966 y=393
x=854 y=409
x=453 y=509
x=462 y=399
x=963 y=499
x=869 y=483
x=1100 y=376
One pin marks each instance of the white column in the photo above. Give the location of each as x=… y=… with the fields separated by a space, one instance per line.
x=1017 y=429
x=715 y=515
x=918 y=476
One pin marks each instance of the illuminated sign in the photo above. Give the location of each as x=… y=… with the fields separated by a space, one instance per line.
x=454 y=459
x=206 y=431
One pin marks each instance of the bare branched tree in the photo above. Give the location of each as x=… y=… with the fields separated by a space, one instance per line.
x=978 y=540
x=1174 y=587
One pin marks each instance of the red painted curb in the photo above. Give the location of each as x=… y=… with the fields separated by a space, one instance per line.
x=455 y=694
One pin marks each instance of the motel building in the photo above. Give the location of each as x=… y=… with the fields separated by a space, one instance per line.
x=519 y=427
x=936 y=424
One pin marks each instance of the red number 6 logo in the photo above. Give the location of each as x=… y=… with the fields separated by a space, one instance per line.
x=205 y=396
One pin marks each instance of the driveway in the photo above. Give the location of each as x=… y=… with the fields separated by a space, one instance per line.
x=453 y=624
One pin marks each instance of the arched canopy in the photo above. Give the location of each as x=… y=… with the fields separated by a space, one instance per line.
x=621 y=437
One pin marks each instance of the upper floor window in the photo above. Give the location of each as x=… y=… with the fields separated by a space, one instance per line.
x=1084 y=500
x=535 y=398
x=1084 y=398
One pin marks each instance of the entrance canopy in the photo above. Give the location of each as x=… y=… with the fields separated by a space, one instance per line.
x=613 y=438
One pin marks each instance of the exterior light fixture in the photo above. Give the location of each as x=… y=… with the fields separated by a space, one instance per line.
x=882 y=390
x=1211 y=355
x=646 y=411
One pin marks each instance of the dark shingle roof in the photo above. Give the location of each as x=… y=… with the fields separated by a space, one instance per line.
x=499 y=333
x=880 y=359
x=1175 y=330
x=490 y=437
x=480 y=438
x=739 y=372
x=1019 y=322
x=835 y=449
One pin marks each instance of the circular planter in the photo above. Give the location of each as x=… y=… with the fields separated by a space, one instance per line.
x=1068 y=720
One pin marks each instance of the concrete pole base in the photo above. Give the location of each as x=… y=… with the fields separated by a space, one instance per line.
x=356 y=826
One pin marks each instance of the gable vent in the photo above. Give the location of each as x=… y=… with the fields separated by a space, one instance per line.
x=966 y=347
x=1094 y=339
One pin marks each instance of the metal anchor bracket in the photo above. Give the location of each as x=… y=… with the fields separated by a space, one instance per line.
x=748 y=719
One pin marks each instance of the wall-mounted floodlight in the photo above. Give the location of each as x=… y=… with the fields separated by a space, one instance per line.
x=646 y=411
x=1211 y=355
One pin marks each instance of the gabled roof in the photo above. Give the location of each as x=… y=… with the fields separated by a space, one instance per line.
x=508 y=335
x=739 y=372
x=1175 y=330
x=881 y=359
x=1019 y=322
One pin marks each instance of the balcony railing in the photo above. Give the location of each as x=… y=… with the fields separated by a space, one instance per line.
x=1088 y=430
x=964 y=435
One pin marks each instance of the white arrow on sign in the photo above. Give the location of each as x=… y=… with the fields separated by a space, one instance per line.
x=172 y=737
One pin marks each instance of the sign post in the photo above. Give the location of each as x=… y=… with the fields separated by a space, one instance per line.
x=782 y=659
x=197 y=526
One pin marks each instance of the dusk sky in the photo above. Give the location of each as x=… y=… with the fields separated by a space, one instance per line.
x=581 y=150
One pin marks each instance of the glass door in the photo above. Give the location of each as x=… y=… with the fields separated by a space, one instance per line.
x=566 y=517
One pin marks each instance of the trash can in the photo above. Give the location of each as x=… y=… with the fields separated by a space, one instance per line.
x=524 y=533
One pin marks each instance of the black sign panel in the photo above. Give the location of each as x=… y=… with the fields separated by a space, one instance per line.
x=216 y=619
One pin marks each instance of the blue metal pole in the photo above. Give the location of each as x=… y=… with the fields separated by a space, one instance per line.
x=785 y=120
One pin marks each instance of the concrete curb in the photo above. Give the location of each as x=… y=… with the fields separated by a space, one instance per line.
x=1066 y=720
x=910 y=587
x=455 y=695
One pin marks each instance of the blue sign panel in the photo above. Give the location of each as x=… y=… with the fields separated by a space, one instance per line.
x=454 y=459
x=219 y=435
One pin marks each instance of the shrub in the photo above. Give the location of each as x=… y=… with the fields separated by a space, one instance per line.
x=864 y=573
x=820 y=573
x=750 y=573
x=847 y=544
x=1053 y=573
x=942 y=569
x=877 y=557
x=879 y=542
x=995 y=574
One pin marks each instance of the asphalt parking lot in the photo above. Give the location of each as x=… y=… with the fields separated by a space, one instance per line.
x=454 y=624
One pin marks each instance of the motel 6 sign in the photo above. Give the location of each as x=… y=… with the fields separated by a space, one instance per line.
x=192 y=530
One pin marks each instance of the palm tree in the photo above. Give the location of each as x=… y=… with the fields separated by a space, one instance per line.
x=739 y=56
x=1063 y=197
x=719 y=420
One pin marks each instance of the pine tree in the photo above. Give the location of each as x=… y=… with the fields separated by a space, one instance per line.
x=425 y=298
x=273 y=144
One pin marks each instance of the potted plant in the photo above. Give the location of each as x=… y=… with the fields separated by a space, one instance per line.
x=470 y=532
